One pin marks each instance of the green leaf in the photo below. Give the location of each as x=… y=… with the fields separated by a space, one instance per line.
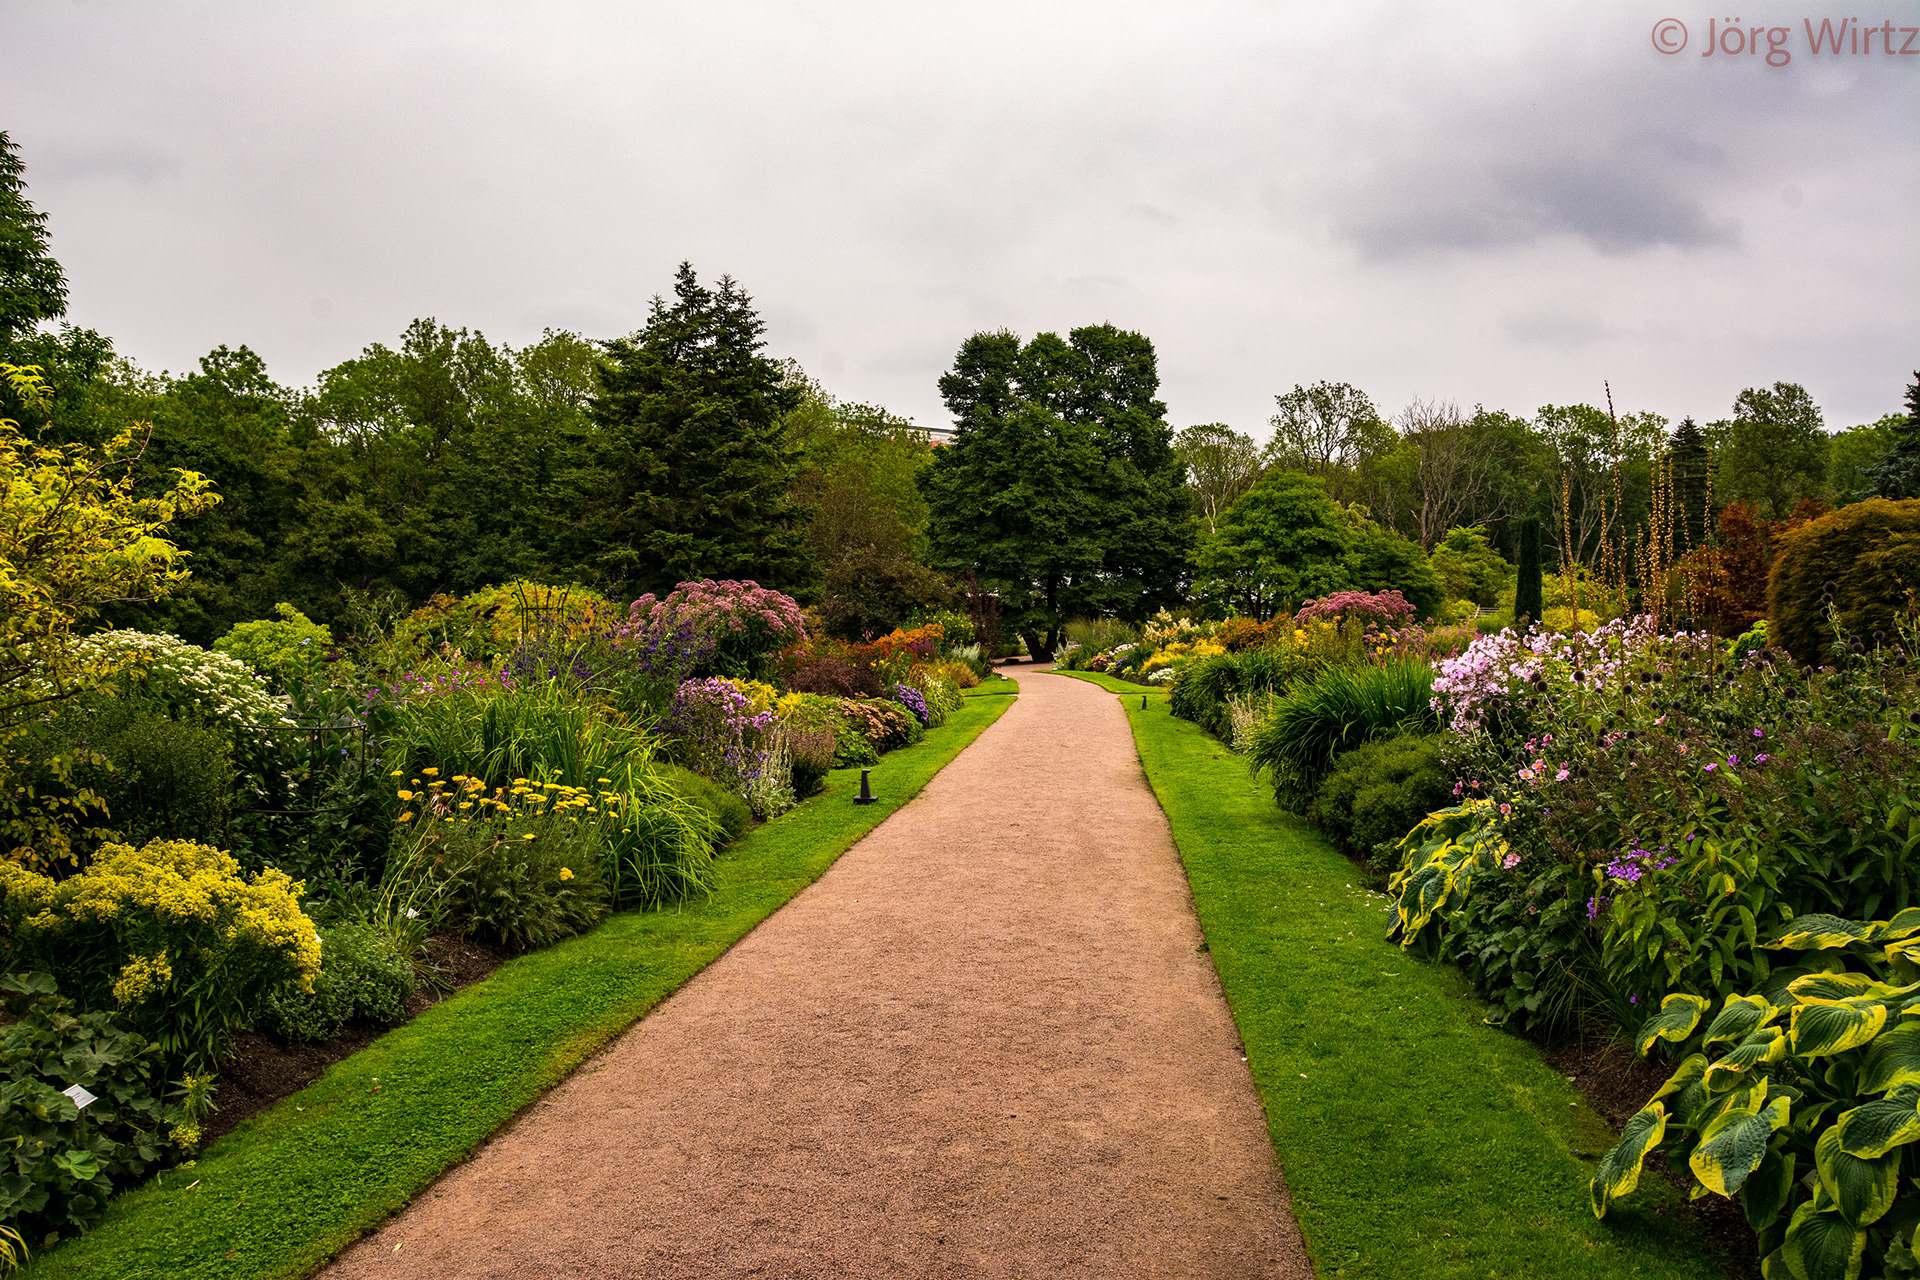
x=1833 y=1026
x=1690 y=1069
x=1875 y=1128
x=1738 y=1017
x=1903 y=923
x=1732 y=1146
x=1765 y=1045
x=1679 y=1014
x=1817 y=932
x=1893 y=1059
x=1862 y=1190
x=82 y=1165
x=1830 y=986
x=1821 y=1245
x=1619 y=1170
x=1767 y=1189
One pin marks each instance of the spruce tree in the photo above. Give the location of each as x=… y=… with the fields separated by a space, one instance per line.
x=690 y=474
x=32 y=286
x=1527 y=604
x=1692 y=475
x=1898 y=474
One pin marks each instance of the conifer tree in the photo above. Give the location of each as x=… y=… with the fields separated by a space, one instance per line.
x=1527 y=602
x=32 y=286
x=690 y=476
x=1898 y=474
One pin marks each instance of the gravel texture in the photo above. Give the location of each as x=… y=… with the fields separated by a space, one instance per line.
x=985 y=1043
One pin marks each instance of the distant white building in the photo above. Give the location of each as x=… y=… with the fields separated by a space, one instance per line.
x=936 y=436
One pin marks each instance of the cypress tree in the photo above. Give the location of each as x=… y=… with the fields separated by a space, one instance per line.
x=1527 y=605
x=1692 y=468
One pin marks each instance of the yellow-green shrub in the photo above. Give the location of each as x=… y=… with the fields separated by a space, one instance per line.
x=170 y=934
x=1869 y=553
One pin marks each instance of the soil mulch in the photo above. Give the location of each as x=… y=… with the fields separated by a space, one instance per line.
x=1618 y=1082
x=263 y=1070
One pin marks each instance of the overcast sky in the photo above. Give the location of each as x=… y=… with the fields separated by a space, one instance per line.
x=1489 y=204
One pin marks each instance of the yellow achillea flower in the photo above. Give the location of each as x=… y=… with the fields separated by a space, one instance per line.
x=566 y=874
x=405 y=817
x=431 y=772
x=527 y=836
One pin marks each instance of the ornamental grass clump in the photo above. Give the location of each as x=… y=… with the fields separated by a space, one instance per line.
x=170 y=935
x=1340 y=708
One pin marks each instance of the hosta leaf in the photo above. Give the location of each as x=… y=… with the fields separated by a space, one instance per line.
x=1679 y=1014
x=1817 y=932
x=1822 y=1027
x=1874 y=1128
x=1830 y=986
x=1426 y=888
x=1862 y=1190
x=1732 y=1146
x=1774 y=989
x=1688 y=1072
x=1903 y=924
x=1893 y=1059
x=1765 y=1045
x=1619 y=1170
x=1821 y=1245
x=1767 y=1189
x=1738 y=1017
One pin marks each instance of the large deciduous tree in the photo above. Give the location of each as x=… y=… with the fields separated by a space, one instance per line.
x=1776 y=450
x=1061 y=489
x=690 y=475
x=1221 y=465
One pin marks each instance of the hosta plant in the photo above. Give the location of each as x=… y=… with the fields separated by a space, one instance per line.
x=1801 y=1100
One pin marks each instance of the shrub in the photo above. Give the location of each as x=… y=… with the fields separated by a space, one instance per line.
x=169 y=934
x=886 y=725
x=1203 y=690
x=813 y=751
x=1863 y=560
x=62 y=1162
x=954 y=672
x=1469 y=567
x=1377 y=793
x=1752 y=640
x=1385 y=608
x=1338 y=709
x=729 y=812
x=363 y=978
x=975 y=658
x=185 y=679
x=282 y=647
x=747 y=624
x=837 y=678
x=1799 y=1100
x=493 y=622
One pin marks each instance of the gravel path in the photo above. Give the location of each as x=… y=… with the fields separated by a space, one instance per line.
x=983 y=1044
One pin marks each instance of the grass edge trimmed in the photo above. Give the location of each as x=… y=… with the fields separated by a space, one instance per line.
x=293 y=1186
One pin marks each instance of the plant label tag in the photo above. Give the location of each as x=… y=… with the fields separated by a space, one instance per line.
x=81 y=1098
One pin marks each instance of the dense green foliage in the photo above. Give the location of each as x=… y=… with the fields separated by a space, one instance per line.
x=1862 y=562
x=363 y=978
x=32 y=286
x=1527 y=599
x=1800 y=1100
x=1306 y=729
x=1061 y=489
x=1378 y=792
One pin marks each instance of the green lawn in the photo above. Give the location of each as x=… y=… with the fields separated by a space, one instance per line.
x=1417 y=1142
x=993 y=684
x=289 y=1188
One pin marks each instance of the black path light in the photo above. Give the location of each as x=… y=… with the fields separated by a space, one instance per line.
x=866 y=795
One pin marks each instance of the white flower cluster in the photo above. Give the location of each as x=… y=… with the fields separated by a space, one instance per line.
x=212 y=683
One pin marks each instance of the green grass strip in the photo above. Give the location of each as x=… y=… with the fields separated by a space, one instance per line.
x=294 y=1185
x=991 y=686
x=1416 y=1140
x=1113 y=684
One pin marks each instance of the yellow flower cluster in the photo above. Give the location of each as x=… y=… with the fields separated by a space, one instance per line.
x=142 y=976
x=764 y=697
x=187 y=894
x=463 y=798
x=1180 y=650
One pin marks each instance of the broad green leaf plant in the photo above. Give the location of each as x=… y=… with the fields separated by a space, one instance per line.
x=1801 y=1100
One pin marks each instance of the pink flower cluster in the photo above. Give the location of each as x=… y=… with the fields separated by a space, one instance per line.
x=1494 y=669
x=719 y=610
x=1389 y=608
